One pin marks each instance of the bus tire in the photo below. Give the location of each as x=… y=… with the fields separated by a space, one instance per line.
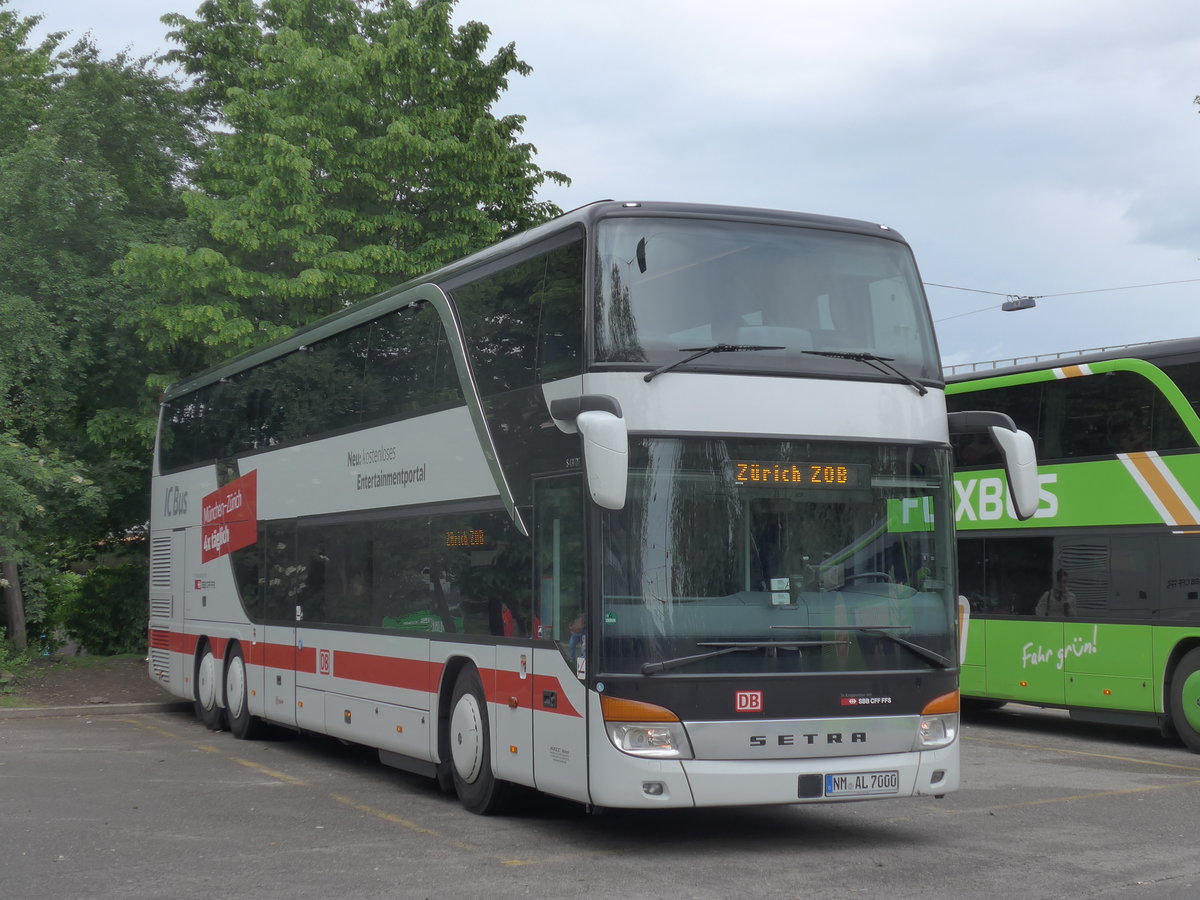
x=237 y=703
x=207 y=684
x=478 y=789
x=1185 y=699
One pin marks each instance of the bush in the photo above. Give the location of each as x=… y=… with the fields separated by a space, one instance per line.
x=12 y=664
x=44 y=622
x=108 y=616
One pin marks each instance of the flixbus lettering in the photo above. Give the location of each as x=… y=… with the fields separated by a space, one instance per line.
x=987 y=499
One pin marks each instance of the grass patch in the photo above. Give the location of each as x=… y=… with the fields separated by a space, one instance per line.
x=12 y=666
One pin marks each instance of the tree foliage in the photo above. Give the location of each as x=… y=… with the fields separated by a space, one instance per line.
x=321 y=151
x=99 y=172
x=356 y=148
x=26 y=75
x=92 y=154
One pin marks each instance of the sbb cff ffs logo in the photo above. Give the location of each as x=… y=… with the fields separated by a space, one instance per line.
x=748 y=701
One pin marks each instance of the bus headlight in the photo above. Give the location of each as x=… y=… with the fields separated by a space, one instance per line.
x=643 y=729
x=938 y=726
x=659 y=741
x=937 y=731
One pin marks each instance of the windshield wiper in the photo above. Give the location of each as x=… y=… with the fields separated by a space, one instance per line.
x=698 y=352
x=882 y=631
x=649 y=668
x=878 y=363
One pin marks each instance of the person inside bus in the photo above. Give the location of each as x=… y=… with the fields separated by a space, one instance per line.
x=1135 y=434
x=1058 y=601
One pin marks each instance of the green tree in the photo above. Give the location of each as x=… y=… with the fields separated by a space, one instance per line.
x=26 y=75
x=92 y=157
x=356 y=148
x=38 y=494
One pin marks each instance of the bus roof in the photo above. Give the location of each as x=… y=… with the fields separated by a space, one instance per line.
x=1150 y=350
x=583 y=217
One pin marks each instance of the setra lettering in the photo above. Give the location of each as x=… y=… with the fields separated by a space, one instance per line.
x=809 y=738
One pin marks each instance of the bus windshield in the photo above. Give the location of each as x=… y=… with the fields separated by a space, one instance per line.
x=669 y=286
x=778 y=556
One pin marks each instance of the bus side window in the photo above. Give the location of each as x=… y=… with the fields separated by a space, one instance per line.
x=560 y=326
x=1178 y=590
x=486 y=565
x=1006 y=576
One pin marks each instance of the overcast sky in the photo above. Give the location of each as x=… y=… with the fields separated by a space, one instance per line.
x=1030 y=147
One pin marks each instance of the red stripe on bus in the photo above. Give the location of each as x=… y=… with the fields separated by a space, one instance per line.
x=391 y=671
x=530 y=693
x=386 y=671
x=543 y=683
x=275 y=656
x=306 y=660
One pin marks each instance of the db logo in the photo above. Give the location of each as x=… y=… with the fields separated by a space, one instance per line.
x=748 y=701
x=324 y=662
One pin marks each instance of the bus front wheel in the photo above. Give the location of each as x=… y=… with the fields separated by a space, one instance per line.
x=1185 y=699
x=207 y=683
x=478 y=789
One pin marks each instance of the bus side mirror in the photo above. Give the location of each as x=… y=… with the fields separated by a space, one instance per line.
x=605 y=437
x=1016 y=449
x=605 y=456
x=1020 y=463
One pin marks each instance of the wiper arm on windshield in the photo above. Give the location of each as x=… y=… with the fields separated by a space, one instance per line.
x=698 y=352
x=880 y=631
x=649 y=668
x=878 y=363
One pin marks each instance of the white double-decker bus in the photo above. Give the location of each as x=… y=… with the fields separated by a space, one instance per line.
x=647 y=507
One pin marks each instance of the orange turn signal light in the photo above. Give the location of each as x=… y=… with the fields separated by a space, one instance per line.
x=617 y=710
x=947 y=703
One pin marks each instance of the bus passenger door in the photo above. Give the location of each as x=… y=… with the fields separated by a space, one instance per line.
x=559 y=693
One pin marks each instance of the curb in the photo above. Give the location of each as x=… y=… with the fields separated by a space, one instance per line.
x=95 y=709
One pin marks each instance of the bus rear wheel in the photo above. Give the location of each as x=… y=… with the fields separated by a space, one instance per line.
x=1185 y=699
x=207 y=683
x=477 y=787
x=243 y=725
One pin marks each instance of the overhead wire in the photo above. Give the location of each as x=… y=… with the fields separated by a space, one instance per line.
x=1127 y=287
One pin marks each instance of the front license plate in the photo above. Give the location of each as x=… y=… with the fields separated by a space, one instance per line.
x=862 y=784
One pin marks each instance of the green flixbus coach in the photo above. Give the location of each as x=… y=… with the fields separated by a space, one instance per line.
x=1093 y=603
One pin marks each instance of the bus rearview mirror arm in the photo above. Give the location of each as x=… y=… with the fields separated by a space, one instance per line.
x=1016 y=448
x=605 y=438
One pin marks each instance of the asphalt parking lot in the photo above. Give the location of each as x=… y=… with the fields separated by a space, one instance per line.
x=151 y=804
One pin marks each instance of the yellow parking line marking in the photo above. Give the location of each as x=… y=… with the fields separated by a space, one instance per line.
x=1042 y=748
x=1092 y=796
x=386 y=816
x=420 y=829
x=339 y=798
x=161 y=732
x=270 y=773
